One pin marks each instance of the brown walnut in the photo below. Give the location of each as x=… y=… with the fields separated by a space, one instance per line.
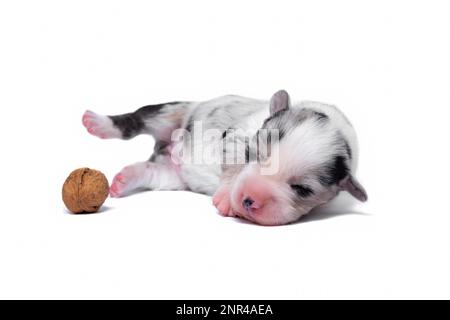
x=85 y=190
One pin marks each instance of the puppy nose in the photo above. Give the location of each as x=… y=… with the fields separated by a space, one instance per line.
x=247 y=203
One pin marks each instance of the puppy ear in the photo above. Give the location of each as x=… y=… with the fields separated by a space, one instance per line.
x=351 y=185
x=280 y=101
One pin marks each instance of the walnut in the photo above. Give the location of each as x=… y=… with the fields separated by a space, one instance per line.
x=85 y=190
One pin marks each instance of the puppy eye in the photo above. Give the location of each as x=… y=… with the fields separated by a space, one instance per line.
x=302 y=190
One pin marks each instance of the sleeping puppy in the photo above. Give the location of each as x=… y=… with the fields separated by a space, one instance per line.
x=269 y=162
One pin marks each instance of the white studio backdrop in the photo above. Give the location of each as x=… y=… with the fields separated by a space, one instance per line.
x=384 y=63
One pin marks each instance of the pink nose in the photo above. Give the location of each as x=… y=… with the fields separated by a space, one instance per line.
x=255 y=192
x=247 y=203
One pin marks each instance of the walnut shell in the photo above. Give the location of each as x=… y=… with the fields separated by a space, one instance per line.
x=85 y=190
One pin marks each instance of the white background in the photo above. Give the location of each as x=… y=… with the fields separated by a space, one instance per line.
x=386 y=64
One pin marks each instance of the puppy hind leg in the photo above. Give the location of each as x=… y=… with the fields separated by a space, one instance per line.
x=158 y=120
x=145 y=176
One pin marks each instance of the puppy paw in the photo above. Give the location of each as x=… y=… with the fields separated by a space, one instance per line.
x=100 y=126
x=221 y=200
x=129 y=179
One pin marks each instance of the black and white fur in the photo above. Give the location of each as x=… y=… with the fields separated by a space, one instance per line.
x=317 y=149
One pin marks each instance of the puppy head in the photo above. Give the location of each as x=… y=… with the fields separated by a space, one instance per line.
x=309 y=162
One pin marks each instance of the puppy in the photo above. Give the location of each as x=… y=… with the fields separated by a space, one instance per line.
x=269 y=162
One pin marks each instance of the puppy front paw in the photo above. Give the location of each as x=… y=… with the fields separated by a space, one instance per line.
x=222 y=201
